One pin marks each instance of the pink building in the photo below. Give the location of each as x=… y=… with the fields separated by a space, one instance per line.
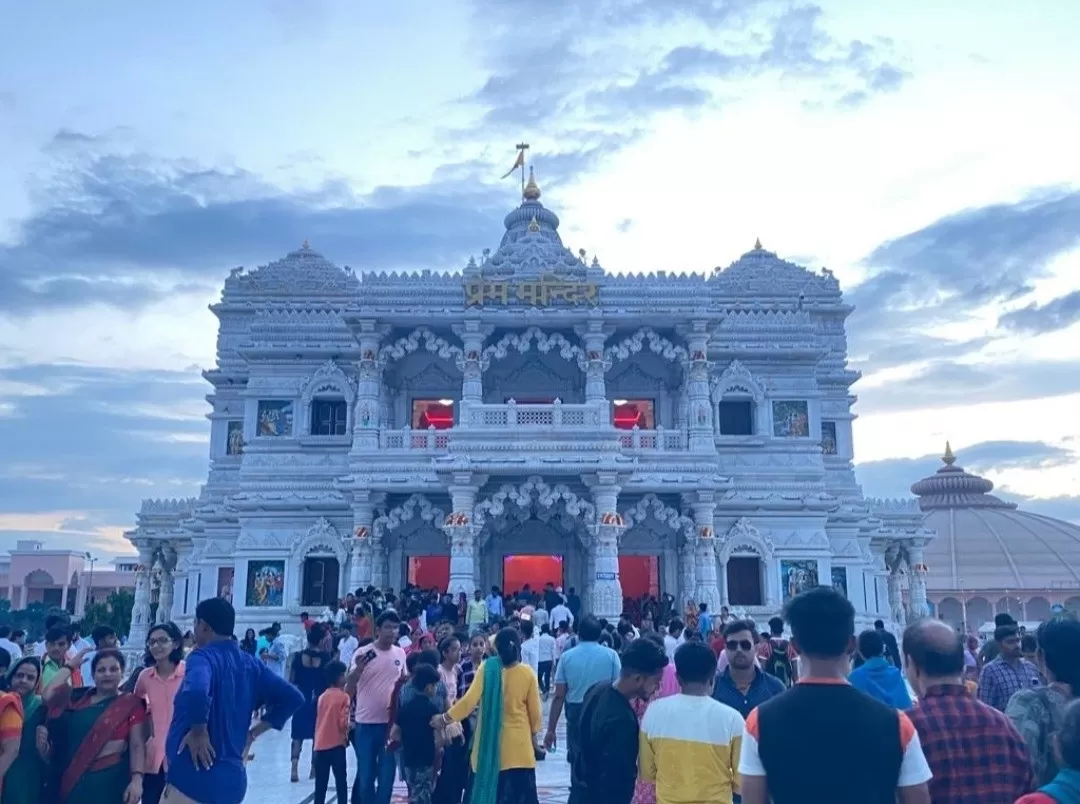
x=65 y=578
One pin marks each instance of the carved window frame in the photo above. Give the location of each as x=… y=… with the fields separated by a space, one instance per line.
x=737 y=383
x=329 y=386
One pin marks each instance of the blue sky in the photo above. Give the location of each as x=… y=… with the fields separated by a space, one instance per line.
x=926 y=155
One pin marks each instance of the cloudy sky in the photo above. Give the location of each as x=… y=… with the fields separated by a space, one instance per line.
x=925 y=152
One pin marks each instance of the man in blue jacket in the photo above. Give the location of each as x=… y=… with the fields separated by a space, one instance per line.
x=876 y=677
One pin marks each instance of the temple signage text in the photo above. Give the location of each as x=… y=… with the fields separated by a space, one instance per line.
x=544 y=292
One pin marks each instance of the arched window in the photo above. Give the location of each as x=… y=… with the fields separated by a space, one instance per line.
x=738 y=398
x=327 y=402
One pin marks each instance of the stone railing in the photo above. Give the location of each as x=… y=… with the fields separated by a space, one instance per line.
x=430 y=440
x=658 y=440
x=512 y=415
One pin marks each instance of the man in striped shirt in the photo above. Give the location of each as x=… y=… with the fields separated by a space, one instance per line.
x=690 y=743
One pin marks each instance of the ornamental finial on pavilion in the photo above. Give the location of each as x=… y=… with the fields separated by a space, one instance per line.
x=757 y=244
x=306 y=246
x=532 y=189
x=948 y=458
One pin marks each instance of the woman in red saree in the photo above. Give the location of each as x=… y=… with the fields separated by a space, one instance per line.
x=96 y=738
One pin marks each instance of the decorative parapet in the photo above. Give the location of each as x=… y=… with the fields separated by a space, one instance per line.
x=905 y=505
x=174 y=505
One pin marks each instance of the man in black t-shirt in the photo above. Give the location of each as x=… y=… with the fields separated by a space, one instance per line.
x=417 y=735
x=823 y=740
x=605 y=762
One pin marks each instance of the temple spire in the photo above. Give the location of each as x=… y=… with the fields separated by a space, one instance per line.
x=531 y=191
x=948 y=458
x=757 y=244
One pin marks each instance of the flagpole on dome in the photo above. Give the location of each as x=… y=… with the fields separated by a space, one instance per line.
x=519 y=162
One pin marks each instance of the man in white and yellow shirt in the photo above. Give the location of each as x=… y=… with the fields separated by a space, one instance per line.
x=690 y=743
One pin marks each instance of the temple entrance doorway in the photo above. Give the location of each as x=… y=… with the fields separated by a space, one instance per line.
x=639 y=575
x=429 y=572
x=536 y=571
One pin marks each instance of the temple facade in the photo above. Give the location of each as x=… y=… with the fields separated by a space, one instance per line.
x=530 y=418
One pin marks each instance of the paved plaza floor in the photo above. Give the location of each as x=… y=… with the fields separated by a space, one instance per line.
x=268 y=773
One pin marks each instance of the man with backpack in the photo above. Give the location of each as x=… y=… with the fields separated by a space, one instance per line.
x=777 y=661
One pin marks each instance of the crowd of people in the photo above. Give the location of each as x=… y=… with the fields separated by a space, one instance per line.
x=447 y=695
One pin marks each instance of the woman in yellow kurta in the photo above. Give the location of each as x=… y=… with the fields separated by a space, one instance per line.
x=509 y=698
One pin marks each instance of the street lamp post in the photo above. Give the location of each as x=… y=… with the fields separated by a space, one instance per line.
x=90 y=586
x=963 y=604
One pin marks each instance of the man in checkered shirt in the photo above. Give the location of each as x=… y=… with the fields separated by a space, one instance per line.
x=976 y=754
x=1009 y=673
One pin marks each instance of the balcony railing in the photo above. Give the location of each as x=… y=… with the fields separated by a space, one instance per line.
x=658 y=440
x=556 y=415
x=430 y=440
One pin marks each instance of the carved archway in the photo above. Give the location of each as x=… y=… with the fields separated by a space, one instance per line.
x=651 y=506
x=522 y=342
x=322 y=537
x=743 y=538
x=644 y=338
x=736 y=379
x=535 y=495
x=328 y=379
x=418 y=505
x=421 y=337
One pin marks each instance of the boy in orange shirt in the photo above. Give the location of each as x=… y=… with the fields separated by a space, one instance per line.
x=332 y=735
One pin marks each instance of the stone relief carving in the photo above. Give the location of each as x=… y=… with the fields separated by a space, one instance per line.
x=523 y=341
x=329 y=377
x=736 y=378
x=534 y=494
x=420 y=337
x=745 y=536
x=321 y=537
x=646 y=337
x=652 y=506
x=418 y=505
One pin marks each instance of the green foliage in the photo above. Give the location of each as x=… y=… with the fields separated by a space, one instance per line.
x=115 y=611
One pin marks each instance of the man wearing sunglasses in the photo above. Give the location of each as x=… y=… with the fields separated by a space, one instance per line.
x=743 y=685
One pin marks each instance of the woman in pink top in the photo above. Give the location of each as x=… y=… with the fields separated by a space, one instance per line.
x=645 y=792
x=158 y=686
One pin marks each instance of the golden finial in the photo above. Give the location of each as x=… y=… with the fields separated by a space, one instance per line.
x=306 y=246
x=948 y=458
x=532 y=189
x=534 y=225
x=757 y=244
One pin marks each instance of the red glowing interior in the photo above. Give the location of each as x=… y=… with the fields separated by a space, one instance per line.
x=430 y=572
x=636 y=413
x=429 y=413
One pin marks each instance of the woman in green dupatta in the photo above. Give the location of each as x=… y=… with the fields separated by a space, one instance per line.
x=24 y=780
x=504 y=748
x=96 y=737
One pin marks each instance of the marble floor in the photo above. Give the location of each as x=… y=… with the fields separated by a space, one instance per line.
x=268 y=773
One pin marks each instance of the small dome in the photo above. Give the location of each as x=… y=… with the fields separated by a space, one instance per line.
x=984 y=542
x=303 y=270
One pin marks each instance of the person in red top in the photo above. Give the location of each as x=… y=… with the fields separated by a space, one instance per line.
x=1065 y=788
x=332 y=735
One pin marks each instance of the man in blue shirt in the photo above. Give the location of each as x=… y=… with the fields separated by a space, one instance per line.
x=584 y=665
x=743 y=685
x=495 y=605
x=209 y=737
x=876 y=677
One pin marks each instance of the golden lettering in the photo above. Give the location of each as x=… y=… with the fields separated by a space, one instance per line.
x=548 y=290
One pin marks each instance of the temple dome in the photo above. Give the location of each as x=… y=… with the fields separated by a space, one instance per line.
x=303 y=271
x=762 y=271
x=531 y=246
x=984 y=542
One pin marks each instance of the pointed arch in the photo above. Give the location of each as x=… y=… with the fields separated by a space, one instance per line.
x=420 y=337
x=645 y=337
x=736 y=379
x=534 y=493
x=320 y=537
x=418 y=505
x=652 y=506
x=523 y=341
x=743 y=538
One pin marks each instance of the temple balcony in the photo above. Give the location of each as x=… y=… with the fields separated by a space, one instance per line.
x=539 y=423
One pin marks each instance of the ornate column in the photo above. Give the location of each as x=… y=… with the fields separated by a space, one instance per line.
x=472 y=362
x=606 y=599
x=167 y=561
x=359 y=546
x=700 y=424
x=461 y=533
x=367 y=417
x=917 y=588
x=180 y=576
x=894 y=562
x=707 y=589
x=593 y=336
x=687 y=572
x=140 y=612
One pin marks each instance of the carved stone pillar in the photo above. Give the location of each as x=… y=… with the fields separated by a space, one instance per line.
x=380 y=563
x=707 y=589
x=462 y=535
x=606 y=598
x=894 y=561
x=472 y=362
x=167 y=562
x=917 y=589
x=593 y=336
x=700 y=424
x=182 y=601
x=140 y=612
x=687 y=573
x=360 y=557
x=369 y=397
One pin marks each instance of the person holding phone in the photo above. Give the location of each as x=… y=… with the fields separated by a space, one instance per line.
x=376 y=670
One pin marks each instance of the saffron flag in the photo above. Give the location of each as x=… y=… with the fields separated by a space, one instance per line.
x=518 y=163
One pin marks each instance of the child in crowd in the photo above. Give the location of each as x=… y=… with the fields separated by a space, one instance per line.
x=332 y=719
x=417 y=736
